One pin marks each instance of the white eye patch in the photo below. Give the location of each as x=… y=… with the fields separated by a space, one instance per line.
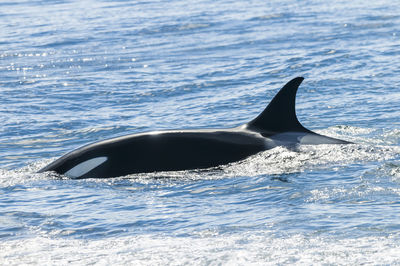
x=85 y=167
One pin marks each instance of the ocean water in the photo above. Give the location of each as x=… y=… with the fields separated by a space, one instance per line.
x=75 y=72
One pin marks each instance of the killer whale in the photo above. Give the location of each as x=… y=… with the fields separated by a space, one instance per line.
x=176 y=150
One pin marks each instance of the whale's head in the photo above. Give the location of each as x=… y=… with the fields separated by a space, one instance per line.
x=76 y=169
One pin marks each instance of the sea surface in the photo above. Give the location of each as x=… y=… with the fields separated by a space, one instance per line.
x=76 y=72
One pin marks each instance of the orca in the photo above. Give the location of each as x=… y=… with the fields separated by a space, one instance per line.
x=176 y=150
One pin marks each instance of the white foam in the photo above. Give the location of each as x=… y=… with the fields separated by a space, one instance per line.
x=209 y=247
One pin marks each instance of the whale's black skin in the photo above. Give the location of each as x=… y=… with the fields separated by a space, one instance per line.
x=192 y=149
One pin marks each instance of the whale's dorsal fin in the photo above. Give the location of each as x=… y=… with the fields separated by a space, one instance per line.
x=280 y=114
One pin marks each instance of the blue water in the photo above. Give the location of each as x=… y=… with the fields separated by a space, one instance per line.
x=74 y=72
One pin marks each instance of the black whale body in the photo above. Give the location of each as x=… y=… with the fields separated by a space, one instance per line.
x=192 y=149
